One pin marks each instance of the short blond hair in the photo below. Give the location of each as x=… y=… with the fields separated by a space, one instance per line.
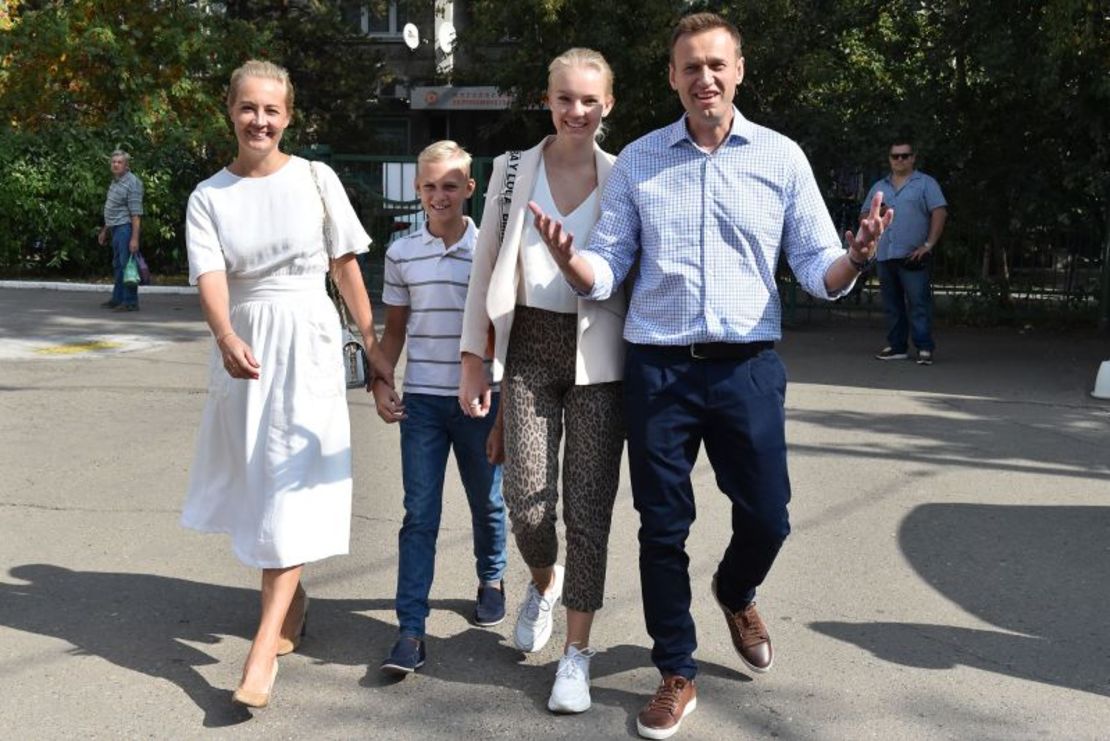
x=582 y=57
x=444 y=150
x=264 y=70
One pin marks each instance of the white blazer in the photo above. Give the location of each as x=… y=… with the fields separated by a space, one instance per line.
x=497 y=268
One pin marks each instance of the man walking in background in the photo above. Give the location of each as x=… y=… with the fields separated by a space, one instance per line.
x=123 y=210
x=905 y=253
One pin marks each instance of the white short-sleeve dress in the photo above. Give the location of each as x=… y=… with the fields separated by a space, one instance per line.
x=273 y=456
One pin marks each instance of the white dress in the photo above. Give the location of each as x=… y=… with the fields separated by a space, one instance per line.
x=273 y=456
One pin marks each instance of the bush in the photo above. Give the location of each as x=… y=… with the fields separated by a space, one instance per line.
x=52 y=188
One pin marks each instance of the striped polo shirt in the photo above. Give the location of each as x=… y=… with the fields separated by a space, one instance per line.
x=125 y=199
x=431 y=279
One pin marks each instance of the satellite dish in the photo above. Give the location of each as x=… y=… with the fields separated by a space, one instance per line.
x=411 y=34
x=446 y=37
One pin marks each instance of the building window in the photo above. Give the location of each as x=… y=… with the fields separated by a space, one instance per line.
x=378 y=19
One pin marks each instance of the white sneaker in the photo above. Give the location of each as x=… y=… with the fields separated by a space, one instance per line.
x=533 y=623
x=571 y=691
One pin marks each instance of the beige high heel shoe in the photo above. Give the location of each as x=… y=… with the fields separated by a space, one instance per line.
x=295 y=625
x=253 y=699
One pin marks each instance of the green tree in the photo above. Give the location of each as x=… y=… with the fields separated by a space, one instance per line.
x=80 y=78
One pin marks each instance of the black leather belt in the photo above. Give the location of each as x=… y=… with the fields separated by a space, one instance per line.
x=712 y=350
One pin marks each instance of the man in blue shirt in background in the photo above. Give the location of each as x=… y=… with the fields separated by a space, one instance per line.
x=706 y=206
x=905 y=254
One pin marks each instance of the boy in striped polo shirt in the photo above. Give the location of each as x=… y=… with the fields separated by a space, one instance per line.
x=426 y=277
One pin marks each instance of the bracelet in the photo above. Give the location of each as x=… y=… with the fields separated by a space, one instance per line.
x=224 y=336
x=860 y=266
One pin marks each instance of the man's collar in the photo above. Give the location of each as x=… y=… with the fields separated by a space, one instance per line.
x=913 y=173
x=741 y=129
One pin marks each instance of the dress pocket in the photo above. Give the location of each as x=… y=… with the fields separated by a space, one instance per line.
x=325 y=361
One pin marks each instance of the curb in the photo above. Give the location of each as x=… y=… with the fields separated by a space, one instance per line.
x=91 y=287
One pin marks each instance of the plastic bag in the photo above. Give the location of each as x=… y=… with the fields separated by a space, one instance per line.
x=144 y=270
x=131 y=272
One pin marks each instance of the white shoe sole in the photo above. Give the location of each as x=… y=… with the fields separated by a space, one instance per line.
x=579 y=705
x=646 y=732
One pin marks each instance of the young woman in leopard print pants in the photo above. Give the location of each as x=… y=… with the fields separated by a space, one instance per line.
x=562 y=361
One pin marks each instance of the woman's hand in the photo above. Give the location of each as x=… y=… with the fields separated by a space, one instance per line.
x=238 y=359
x=380 y=367
x=474 y=393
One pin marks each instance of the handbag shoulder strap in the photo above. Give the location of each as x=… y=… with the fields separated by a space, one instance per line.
x=333 y=287
x=508 y=183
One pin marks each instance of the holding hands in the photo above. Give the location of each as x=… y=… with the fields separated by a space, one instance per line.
x=387 y=402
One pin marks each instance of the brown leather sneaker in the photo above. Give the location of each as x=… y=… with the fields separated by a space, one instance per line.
x=674 y=700
x=749 y=635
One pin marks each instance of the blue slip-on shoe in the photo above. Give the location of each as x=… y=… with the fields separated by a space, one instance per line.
x=489 y=609
x=406 y=657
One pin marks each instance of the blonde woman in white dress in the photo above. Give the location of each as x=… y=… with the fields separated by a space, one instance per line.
x=273 y=460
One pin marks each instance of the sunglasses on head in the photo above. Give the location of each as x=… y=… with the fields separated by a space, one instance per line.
x=901 y=155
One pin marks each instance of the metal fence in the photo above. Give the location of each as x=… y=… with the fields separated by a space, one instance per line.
x=1059 y=274
x=1050 y=273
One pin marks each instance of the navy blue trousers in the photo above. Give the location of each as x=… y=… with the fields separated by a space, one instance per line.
x=736 y=407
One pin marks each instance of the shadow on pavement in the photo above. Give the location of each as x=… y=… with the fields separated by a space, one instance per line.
x=1039 y=574
x=144 y=623
x=992 y=363
x=1062 y=441
x=28 y=314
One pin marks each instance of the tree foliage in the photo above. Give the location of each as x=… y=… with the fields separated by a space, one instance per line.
x=1009 y=103
x=79 y=78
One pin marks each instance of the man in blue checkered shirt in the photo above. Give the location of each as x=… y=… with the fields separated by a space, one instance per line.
x=705 y=207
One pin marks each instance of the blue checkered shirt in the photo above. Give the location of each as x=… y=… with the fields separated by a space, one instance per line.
x=708 y=230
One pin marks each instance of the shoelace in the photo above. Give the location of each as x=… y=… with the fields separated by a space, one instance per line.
x=535 y=602
x=752 y=627
x=571 y=665
x=666 y=697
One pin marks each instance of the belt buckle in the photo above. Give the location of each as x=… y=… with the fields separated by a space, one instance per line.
x=694 y=352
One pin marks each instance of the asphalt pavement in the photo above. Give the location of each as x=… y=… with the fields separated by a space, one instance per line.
x=948 y=574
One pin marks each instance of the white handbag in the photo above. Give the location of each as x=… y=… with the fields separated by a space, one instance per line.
x=356 y=366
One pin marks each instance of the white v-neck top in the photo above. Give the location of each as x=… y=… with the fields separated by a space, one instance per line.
x=542 y=285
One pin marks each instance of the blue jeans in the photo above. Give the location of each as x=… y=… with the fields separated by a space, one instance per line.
x=433 y=425
x=121 y=253
x=672 y=405
x=899 y=286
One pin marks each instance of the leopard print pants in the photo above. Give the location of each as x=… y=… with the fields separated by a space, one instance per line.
x=539 y=397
